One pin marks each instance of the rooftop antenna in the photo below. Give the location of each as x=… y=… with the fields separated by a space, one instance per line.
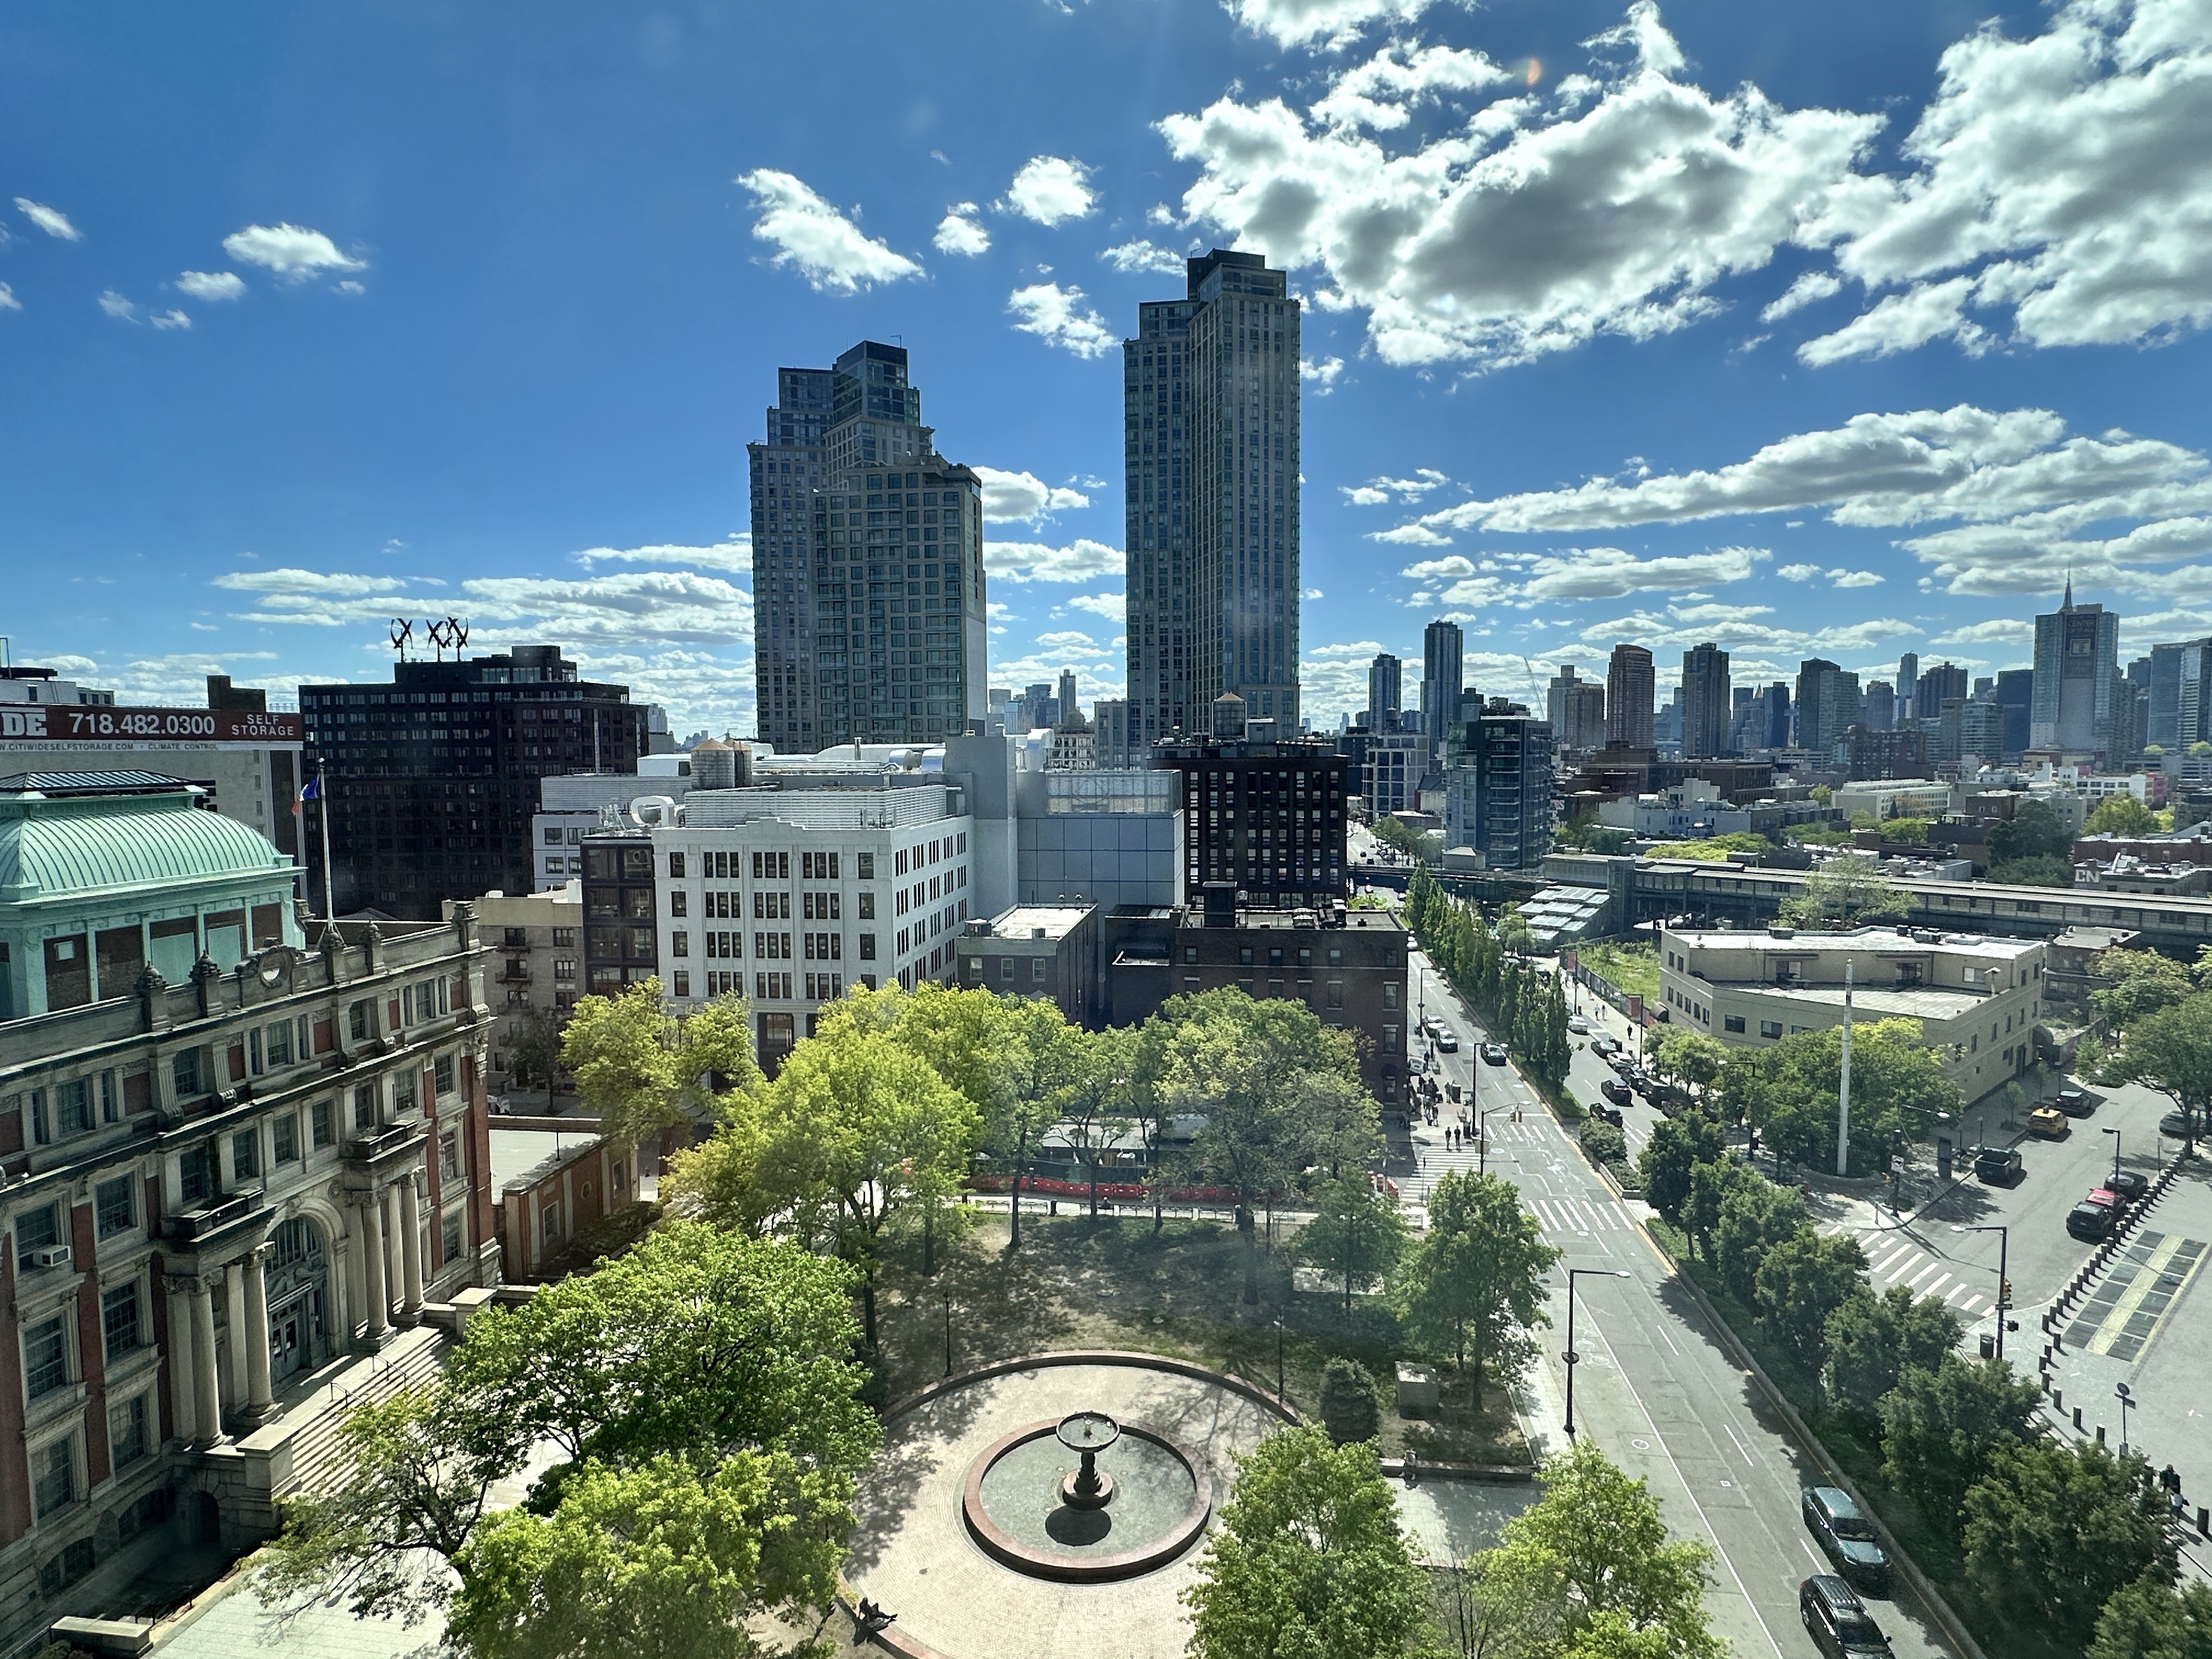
x=403 y=631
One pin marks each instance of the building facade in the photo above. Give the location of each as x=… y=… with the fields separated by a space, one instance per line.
x=1577 y=711
x=430 y=784
x=1828 y=705
x=1630 y=689
x=1047 y=951
x=1385 y=693
x=1267 y=816
x=1499 y=796
x=1706 y=702
x=1444 y=677
x=535 y=947
x=2077 y=649
x=1210 y=404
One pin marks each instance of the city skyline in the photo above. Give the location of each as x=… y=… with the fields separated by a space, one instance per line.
x=311 y=371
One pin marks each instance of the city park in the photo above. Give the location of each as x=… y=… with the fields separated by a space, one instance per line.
x=823 y=1397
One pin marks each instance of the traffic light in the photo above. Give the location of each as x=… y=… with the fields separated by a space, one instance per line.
x=2004 y=1291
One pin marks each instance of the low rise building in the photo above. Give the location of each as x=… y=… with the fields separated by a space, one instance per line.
x=536 y=942
x=1049 y=951
x=1977 y=998
x=2125 y=874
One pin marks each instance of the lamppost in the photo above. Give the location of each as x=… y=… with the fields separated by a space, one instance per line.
x=947 y=1293
x=2121 y=1392
x=1482 y=1140
x=2004 y=1284
x=1279 y=1356
x=1573 y=1358
x=2115 y=1134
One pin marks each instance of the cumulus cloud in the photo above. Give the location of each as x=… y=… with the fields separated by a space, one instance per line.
x=293 y=582
x=2061 y=176
x=2003 y=630
x=8 y=300
x=1808 y=289
x=1326 y=24
x=814 y=238
x=1062 y=317
x=1023 y=497
x=735 y=555
x=957 y=232
x=1839 y=577
x=52 y=221
x=1051 y=189
x=118 y=307
x=1606 y=572
x=1611 y=204
x=211 y=284
x=1320 y=376
x=1436 y=570
x=1082 y=560
x=1901 y=323
x=291 y=252
x=1132 y=258
x=170 y=318
x=1115 y=607
x=1376 y=491
x=1383 y=93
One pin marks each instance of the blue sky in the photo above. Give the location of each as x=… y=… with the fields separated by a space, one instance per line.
x=1838 y=331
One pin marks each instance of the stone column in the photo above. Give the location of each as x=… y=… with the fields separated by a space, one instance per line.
x=372 y=1269
x=232 y=1357
x=183 y=1417
x=411 y=1244
x=253 y=1331
x=207 y=1397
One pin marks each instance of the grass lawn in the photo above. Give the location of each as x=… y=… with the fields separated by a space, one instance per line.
x=1112 y=1283
x=1633 y=968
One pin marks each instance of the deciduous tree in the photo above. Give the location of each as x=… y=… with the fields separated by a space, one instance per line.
x=1755 y=1217
x=1677 y=1146
x=2170 y=1051
x=640 y=1069
x=1356 y=1231
x=1941 y=1429
x=1799 y=1284
x=1474 y=1282
x=1874 y=1339
x=2120 y=815
x=1844 y=892
x=533 y=1051
x=2151 y=1620
x=2068 y=1527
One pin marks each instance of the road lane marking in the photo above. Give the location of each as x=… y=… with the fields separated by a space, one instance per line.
x=1740 y=1446
x=1938 y=1285
x=1915 y=1281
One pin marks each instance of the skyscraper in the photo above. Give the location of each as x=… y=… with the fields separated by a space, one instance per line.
x=1828 y=704
x=2077 y=650
x=1577 y=708
x=1941 y=683
x=1210 y=394
x=1705 y=702
x=1443 y=677
x=2177 y=703
x=868 y=564
x=1629 y=683
x=1908 y=683
x=1878 y=705
x=2015 y=697
x=1384 y=677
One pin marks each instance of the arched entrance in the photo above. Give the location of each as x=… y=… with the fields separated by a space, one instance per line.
x=299 y=1299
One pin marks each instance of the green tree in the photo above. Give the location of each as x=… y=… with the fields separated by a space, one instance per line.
x=1356 y=1231
x=1845 y=892
x=2033 y=831
x=1906 y=832
x=1039 y=1062
x=2069 y=1526
x=1799 y=1284
x=1677 y=1146
x=1308 y=1560
x=2170 y=1051
x=2045 y=870
x=1095 y=1103
x=1941 y=1429
x=1603 y=1142
x=640 y=1069
x=1789 y=1091
x=2120 y=815
x=1873 y=1340
x=1474 y=1282
x=1592 y=1572
x=1714 y=849
x=1756 y=1216
x=2150 y=1620
x=1350 y=1407
x=2144 y=981
x=1711 y=1185
x=1693 y=1057
x=533 y=1051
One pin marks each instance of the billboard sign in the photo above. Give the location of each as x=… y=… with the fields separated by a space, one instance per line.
x=66 y=723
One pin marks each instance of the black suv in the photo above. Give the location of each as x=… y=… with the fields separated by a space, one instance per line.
x=1997 y=1165
x=1838 y=1621
x=1847 y=1536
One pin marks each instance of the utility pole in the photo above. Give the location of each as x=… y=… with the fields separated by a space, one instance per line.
x=1844 y=1094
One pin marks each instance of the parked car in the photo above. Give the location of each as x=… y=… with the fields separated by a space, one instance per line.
x=2174 y=1125
x=2093 y=1217
x=1997 y=1165
x=1615 y=1091
x=1605 y=1047
x=1447 y=1044
x=1578 y=1025
x=1847 y=1535
x=2048 y=1122
x=2073 y=1103
x=1838 y=1621
x=1493 y=1054
x=2128 y=1186
x=1623 y=1063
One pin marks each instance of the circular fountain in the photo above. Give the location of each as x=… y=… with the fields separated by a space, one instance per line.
x=1036 y=1500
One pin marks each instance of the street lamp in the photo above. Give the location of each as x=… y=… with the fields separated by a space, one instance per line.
x=2004 y=1284
x=947 y=1292
x=1573 y=1358
x=1482 y=1140
x=1279 y=1356
x=2120 y=1392
x=2115 y=1134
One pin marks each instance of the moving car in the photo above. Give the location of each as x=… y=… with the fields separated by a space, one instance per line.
x=1578 y=1025
x=1842 y=1531
x=2073 y=1103
x=1447 y=1044
x=1493 y=1054
x=2093 y=1217
x=1838 y=1621
x=1615 y=1091
x=1997 y=1165
x=2128 y=1186
x=2047 y=1120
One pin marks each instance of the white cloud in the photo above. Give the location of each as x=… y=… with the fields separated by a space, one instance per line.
x=292 y=251
x=1023 y=497
x=958 y=232
x=8 y=300
x=1364 y=495
x=1326 y=24
x=1051 y=189
x=734 y=554
x=1436 y=570
x=1068 y=639
x=1838 y=577
x=52 y=221
x=1798 y=572
x=1411 y=535
x=1901 y=323
x=2002 y=631
x=1062 y=317
x=293 y=582
x=1115 y=607
x=1605 y=572
x=1321 y=376
x=1383 y=93
x=211 y=284
x=1082 y=560
x=351 y=287
x=118 y=307
x=1132 y=258
x=1611 y=204
x=1376 y=491
x=2062 y=175
x=1809 y=288
x=818 y=241
x=170 y=318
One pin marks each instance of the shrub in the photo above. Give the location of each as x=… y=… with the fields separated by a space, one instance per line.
x=1351 y=1409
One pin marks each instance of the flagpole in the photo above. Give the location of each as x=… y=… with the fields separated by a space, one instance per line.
x=330 y=876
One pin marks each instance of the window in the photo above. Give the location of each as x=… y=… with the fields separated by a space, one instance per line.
x=73 y=1106
x=1336 y=994
x=119 y=1320
x=680 y=902
x=45 y=1358
x=1770 y=1028
x=1037 y=967
x=126 y=1430
x=404 y=1085
x=54 y=1480
x=679 y=943
x=246 y=1154
x=1006 y=968
x=321 y=1130
x=114 y=1206
x=683 y=978
x=553 y=836
x=867 y=947
x=868 y=907
x=441 y=1072
x=552 y=1217
x=564 y=939
x=1732 y=1023
x=276 y=1045
x=455 y=1234
x=196 y=1175
x=364 y=1108
x=676 y=869
x=1390 y=993
x=284 y=1139
x=185 y=1072
x=864 y=868
x=449 y=1154
x=357 y=1016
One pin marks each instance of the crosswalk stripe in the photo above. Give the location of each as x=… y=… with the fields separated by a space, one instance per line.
x=1915 y=1281
x=1938 y=1285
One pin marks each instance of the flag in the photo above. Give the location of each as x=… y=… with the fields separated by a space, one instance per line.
x=312 y=790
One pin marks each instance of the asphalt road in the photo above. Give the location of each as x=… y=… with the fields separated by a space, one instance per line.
x=1656 y=1388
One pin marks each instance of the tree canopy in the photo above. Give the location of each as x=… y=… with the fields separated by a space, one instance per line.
x=2033 y=831
x=1789 y=1091
x=1872 y=1340
x=1474 y=1282
x=2120 y=815
x=2170 y=1051
x=2144 y=981
x=1845 y=892
x=2150 y=1620
x=2069 y=1526
x=1941 y=1429
x=641 y=1069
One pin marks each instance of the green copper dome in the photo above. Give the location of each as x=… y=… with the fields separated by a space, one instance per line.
x=69 y=844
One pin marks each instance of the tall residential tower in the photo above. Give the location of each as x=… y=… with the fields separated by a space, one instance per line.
x=868 y=564
x=2077 y=651
x=1443 y=677
x=1210 y=401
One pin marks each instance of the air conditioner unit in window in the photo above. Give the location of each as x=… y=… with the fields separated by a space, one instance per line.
x=54 y=1255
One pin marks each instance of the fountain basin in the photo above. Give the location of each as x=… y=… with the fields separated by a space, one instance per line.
x=1013 y=1503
